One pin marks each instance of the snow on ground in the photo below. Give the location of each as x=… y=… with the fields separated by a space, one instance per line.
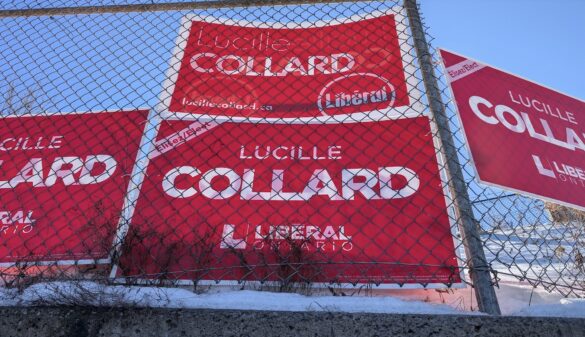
x=95 y=294
x=543 y=252
x=568 y=307
x=515 y=299
x=524 y=300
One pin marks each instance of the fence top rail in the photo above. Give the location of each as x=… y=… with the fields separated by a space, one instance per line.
x=154 y=7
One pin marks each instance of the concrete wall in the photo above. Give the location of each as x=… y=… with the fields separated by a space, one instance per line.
x=89 y=322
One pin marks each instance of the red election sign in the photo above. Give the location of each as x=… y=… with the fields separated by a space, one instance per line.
x=355 y=202
x=240 y=69
x=63 y=180
x=522 y=136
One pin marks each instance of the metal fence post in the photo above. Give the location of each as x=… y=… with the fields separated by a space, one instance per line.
x=478 y=267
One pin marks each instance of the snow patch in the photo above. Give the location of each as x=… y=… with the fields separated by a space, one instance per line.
x=89 y=293
x=515 y=299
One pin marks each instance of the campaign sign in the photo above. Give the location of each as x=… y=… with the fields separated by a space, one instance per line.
x=63 y=180
x=349 y=202
x=339 y=68
x=522 y=136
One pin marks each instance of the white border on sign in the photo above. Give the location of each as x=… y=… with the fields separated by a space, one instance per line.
x=468 y=147
x=317 y=285
x=507 y=72
x=457 y=243
x=449 y=202
x=123 y=218
x=61 y=113
x=147 y=145
x=415 y=108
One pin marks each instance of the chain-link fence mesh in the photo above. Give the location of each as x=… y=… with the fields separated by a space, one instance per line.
x=284 y=146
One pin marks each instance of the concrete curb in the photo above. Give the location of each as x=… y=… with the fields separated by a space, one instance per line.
x=130 y=322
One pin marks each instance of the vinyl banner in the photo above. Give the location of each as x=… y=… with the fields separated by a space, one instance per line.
x=63 y=180
x=522 y=136
x=340 y=68
x=355 y=202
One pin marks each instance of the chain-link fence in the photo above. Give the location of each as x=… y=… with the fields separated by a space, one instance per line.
x=283 y=146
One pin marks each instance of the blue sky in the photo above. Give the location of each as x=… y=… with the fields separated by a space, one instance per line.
x=541 y=40
x=118 y=61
